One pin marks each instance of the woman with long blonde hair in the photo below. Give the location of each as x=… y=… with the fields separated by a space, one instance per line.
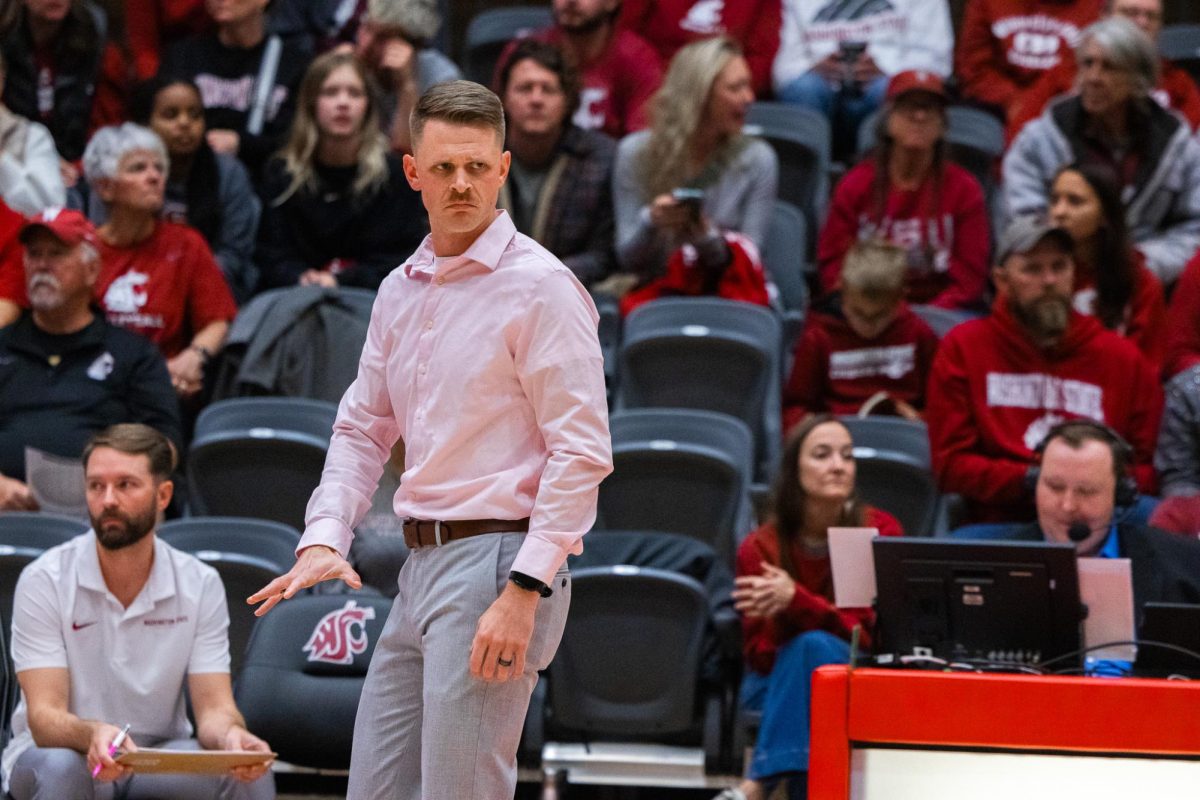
x=694 y=175
x=337 y=209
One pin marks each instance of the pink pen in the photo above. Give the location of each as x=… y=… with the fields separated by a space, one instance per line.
x=112 y=748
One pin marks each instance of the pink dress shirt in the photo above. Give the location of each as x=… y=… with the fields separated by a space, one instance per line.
x=488 y=366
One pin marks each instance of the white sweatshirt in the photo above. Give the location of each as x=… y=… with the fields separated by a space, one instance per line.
x=900 y=34
x=30 y=180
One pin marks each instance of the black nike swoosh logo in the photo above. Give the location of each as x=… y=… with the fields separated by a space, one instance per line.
x=76 y=626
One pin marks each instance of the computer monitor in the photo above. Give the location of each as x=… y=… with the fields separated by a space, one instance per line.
x=1011 y=602
x=1171 y=623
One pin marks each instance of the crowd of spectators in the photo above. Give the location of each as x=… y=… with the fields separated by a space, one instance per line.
x=214 y=149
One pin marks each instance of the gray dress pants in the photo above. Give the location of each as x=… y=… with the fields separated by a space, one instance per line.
x=426 y=728
x=56 y=773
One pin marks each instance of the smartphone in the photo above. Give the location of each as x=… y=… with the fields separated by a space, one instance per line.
x=692 y=199
x=849 y=51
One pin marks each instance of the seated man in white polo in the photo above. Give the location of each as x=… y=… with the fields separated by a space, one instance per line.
x=106 y=628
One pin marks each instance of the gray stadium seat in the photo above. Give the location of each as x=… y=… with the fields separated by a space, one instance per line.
x=12 y=561
x=941 y=319
x=258 y=457
x=305 y=708
x=25 y=535
x=899 y=484
x=801 y=139
x=627 y=673
x=38 y=529
x=247 y=553
x=9 y=690
x=1181 y=43
x=273 y=542
x=489 y=31
x=890 y=435
x=710 y=354
x=784 y=255
x=680 y=471
x=609 y=333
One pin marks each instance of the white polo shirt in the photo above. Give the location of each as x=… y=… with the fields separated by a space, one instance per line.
x=126 y=664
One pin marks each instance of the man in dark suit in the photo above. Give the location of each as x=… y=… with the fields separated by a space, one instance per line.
x=1082 y=480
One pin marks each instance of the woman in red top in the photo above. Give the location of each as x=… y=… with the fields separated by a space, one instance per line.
x=157 y=278
x=784 y=593
x=1111 y=279
x=908 y=194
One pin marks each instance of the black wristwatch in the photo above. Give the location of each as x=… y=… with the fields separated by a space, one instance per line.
x=530 y=584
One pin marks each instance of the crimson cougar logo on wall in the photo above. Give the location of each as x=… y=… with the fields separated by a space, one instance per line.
x=335 y=639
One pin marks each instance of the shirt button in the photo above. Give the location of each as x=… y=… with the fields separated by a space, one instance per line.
x=429 y=325
x=421 y=369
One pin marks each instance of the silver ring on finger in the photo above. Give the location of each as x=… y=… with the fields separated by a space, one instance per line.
x=504 y=663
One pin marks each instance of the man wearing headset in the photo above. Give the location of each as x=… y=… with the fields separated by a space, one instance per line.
x=1084 y=488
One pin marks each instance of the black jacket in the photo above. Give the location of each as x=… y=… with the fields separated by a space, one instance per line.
x=1165 y=566
x=56 y=391
x=77 y=52
x=226 y=77
x=372 y=234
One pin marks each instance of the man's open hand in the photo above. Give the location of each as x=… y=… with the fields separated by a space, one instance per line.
x=316 y=563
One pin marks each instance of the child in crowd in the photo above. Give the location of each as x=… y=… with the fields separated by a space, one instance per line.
x=865 y=346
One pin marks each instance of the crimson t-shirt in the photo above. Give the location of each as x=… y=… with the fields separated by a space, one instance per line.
x=12 y=270
x=166 y=288
x=614 y=87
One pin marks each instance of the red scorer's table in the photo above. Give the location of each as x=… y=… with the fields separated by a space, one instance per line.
x=1071 y=715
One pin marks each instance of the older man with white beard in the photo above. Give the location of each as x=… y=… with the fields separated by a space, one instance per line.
x=65 y=373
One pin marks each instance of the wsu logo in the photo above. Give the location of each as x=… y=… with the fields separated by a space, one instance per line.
x=127 y=294
x=334 y=640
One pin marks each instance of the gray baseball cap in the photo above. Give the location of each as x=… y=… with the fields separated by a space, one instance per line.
x=1026 y=232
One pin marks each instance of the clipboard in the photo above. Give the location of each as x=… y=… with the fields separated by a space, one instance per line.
x=149 y=760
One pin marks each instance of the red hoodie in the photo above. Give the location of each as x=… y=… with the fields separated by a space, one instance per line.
x=670 y=24
x=993 y=395
x=950 y=248
x=1183 y=321
x=1176 y=90
x=1005 y=45
x=743 y=279
x=1145 y=321
x=812 y=607
x=837 y=370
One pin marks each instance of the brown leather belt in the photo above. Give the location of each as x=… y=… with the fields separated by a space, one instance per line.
x=427 y=532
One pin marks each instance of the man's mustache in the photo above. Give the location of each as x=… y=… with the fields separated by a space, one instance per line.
x=41 y=279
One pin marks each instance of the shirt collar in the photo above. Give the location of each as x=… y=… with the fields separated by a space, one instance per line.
x=486 y=250
x=1112 y=545
x=159 y=586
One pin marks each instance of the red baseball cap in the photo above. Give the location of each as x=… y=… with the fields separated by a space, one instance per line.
x=916 y=80
x=67 y=225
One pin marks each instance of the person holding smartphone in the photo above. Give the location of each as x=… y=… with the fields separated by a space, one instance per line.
x=836 y=56
x=693 y=194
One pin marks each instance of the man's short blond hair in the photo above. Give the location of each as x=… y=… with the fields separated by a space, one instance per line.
x=877 y=269
x=458 y=103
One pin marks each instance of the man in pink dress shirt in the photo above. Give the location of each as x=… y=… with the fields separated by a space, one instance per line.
x=482 y=357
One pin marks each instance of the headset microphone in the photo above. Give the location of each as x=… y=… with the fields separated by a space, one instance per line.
x=1078 y=531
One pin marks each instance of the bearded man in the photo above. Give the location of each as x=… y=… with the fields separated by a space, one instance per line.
x=999 y=384
x=65 y=372
x=106 y=628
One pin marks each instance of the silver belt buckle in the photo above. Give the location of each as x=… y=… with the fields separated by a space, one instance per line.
x=437 y=532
